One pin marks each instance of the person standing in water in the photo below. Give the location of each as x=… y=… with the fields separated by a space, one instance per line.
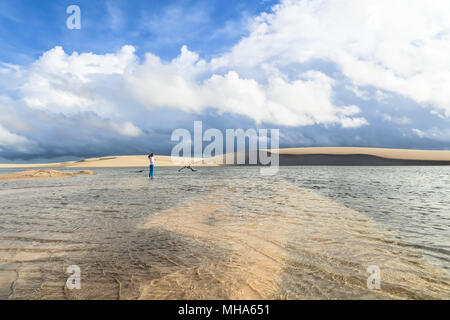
x=151 y=157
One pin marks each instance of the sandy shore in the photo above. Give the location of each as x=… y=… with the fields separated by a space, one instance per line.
x=42 y=174
x=290 y=156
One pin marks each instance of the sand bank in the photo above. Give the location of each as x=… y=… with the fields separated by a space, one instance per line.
x=42 y=174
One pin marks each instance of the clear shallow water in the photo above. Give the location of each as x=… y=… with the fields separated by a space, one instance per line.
x=308 y=232
x=413 y=202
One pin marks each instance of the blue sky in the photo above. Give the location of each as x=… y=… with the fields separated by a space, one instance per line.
x=326 y=73
x=28 y=28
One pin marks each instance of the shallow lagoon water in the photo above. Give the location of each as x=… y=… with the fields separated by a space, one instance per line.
x=228 y=232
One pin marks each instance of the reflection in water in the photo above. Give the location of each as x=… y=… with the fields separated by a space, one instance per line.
x=226 y=233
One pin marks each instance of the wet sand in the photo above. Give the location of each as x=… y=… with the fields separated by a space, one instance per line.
x=42 y=174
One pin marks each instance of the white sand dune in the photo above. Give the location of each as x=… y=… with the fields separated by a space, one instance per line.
x=115 y=161
x=402 y=154
x=167 y=161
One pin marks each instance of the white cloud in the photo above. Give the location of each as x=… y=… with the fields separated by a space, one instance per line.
x=360 y=93
x=381 y=96
x=13 y=141
x=382 y=48
x=397 y=46
x=305 y=101
x=433 y=134
x=396 y=120
x=127 y=129
x=115 y=15
x=70 y=84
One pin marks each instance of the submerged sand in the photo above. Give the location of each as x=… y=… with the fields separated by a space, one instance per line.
x=235 y=240
x=308 y=248
x=42 y=174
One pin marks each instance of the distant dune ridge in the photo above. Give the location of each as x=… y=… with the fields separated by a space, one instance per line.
x=401 y=154
x=343 y=156
x=362 y=156
x=290 y=156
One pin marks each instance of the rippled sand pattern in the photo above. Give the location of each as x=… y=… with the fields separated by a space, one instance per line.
x=199 y=236
x=249 y=269
x=304 y=247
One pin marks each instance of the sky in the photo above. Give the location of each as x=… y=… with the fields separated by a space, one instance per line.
x=325 y=73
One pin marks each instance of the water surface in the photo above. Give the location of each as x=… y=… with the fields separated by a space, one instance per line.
x=220 y=233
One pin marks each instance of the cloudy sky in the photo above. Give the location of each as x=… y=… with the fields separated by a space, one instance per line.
x=326 y=73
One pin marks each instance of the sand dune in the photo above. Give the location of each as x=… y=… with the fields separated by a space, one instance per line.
x=362 y=157
x=342 y=156
x=289 y=156
x=401 y=154
x=114 y=161
x=41 y=174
